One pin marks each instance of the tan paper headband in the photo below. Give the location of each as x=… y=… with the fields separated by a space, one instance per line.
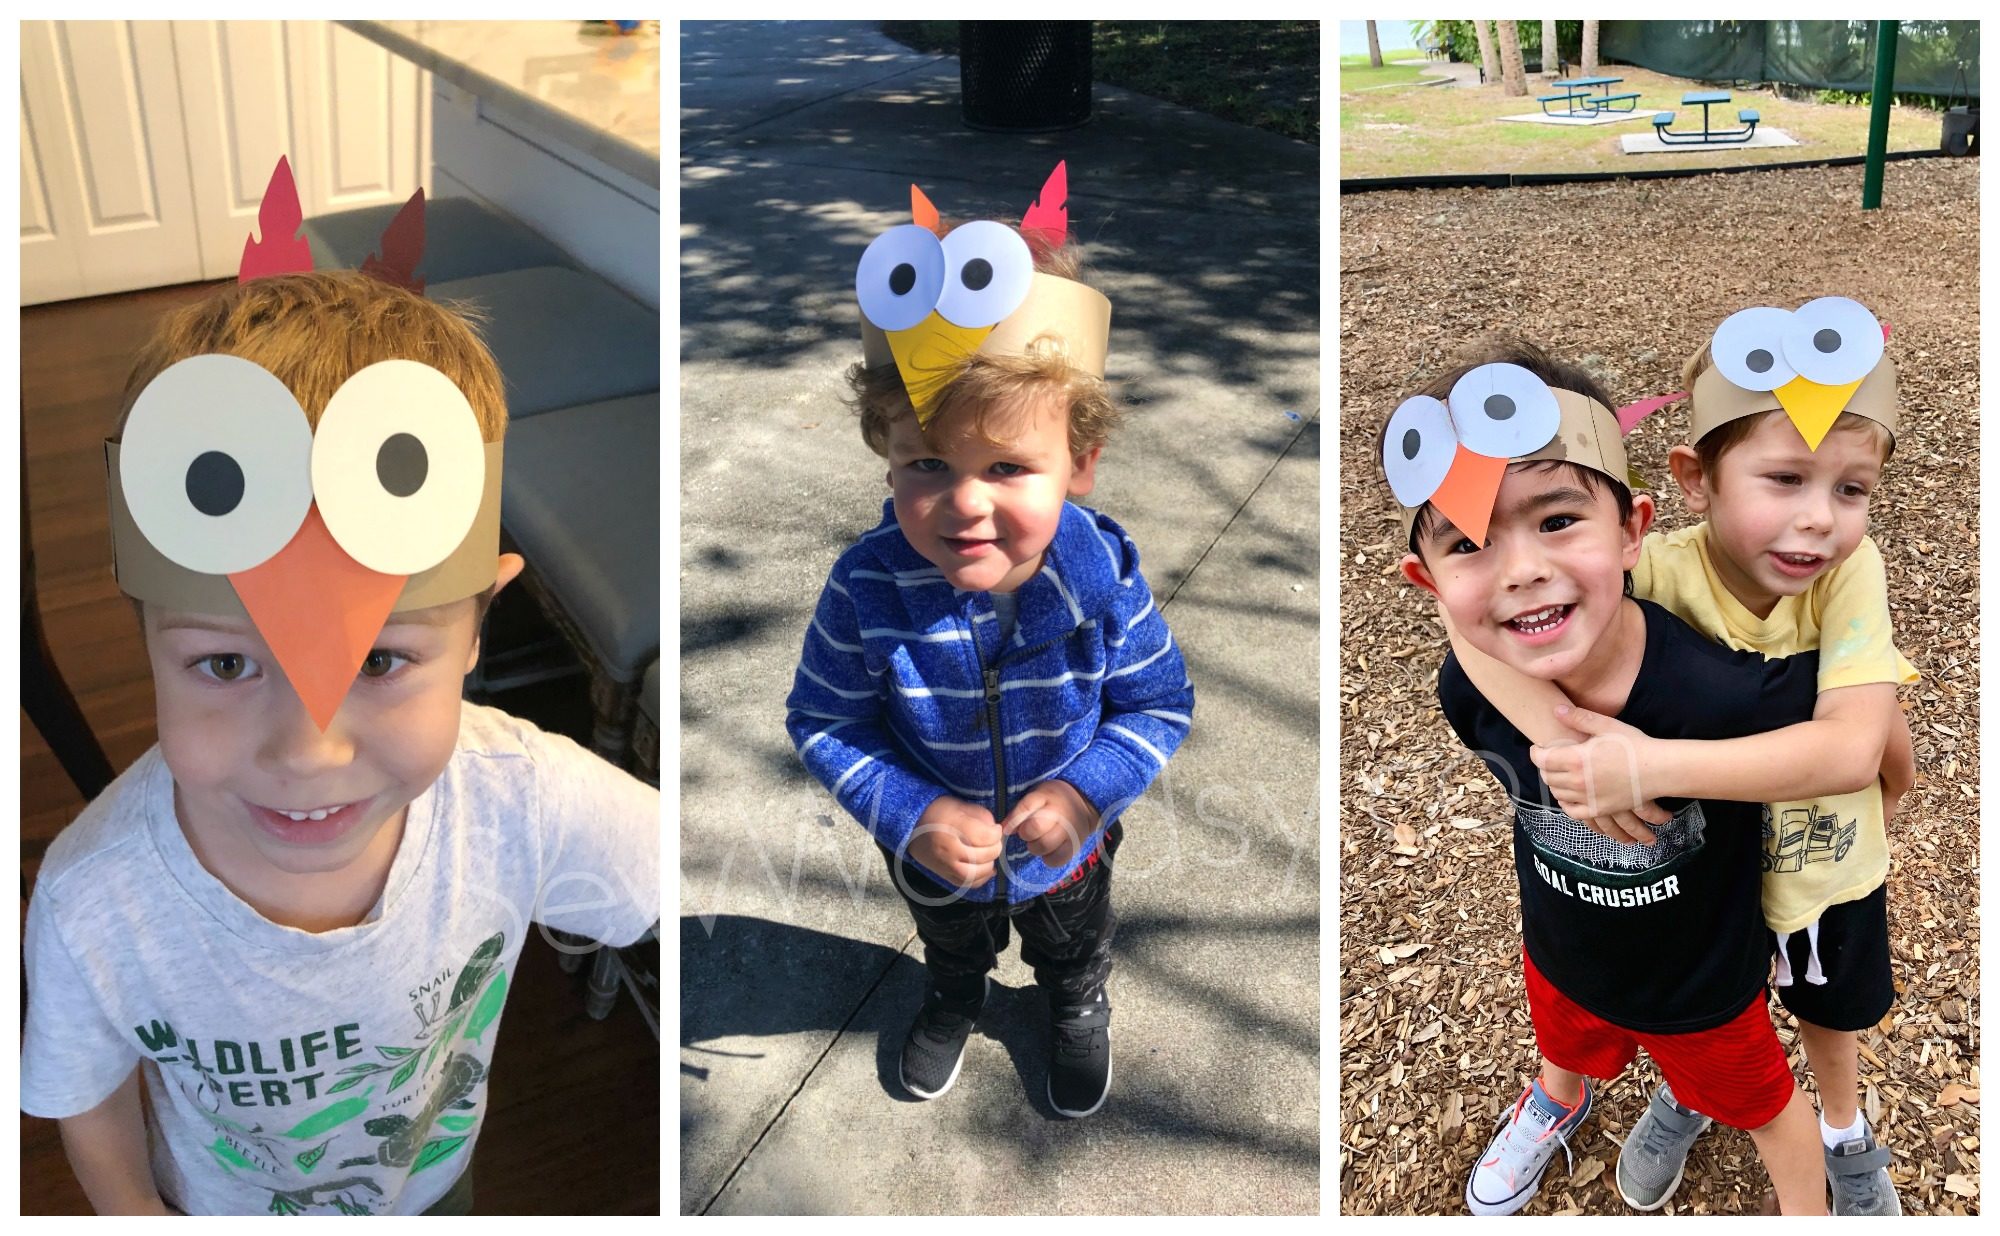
x=1454 y=454
x=1815 y=362
x=147 y=574
x=929 y=304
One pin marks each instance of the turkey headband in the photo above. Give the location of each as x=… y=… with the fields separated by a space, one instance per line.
x=224 y=500
x=1454 y=454
x=928 y=304
x=1815 y=362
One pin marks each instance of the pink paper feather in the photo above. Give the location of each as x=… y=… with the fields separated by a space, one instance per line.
x=1049 y=216
x=1632 y=413
x=279 y=217
x=402 y=247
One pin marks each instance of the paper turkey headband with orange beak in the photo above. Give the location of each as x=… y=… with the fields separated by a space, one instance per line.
x=224 y=500
x=1815 y=362
x=1454 y=454
x=928 y=305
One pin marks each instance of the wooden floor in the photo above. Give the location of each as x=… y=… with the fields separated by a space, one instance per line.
x=574 y=1124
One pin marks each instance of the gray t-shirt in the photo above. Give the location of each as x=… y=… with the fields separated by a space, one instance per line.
x=343 y=1071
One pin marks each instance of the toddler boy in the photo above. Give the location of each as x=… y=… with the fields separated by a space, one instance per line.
x=986 y=683
x=296 y=917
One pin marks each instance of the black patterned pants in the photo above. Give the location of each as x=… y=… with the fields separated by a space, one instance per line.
x=1065 y=933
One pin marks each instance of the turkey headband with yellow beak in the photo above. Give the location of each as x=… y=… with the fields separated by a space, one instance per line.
x=1454 y=454
x=929 y=305
x=224 y=500
x=1815 y=362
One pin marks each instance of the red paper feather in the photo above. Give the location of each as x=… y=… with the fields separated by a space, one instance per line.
x=279 y=217
x=1048 y=218
x=402 y=247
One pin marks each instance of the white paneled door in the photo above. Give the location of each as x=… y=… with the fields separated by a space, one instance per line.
x=105 y=199
x=146 y=146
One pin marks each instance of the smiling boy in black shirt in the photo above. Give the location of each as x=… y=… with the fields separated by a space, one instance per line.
x=1511 y=477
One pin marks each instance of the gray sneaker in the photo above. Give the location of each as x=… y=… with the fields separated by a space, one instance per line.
x=1510 y=1169
x=1656 y=1151
x=1859 y=1173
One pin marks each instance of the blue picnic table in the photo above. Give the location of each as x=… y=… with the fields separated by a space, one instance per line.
x=1746 y=119
x=1578 y=101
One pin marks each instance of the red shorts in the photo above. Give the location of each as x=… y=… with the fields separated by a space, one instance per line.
x=1735 y=1072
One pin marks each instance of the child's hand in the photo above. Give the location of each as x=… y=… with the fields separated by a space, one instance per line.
x=957 y=840
x=1052 y=820
x=1599 y=778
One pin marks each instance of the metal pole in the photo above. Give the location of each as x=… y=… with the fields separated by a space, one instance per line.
x=1878 y=114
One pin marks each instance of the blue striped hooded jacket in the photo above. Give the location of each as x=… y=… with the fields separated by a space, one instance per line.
x=903 y=693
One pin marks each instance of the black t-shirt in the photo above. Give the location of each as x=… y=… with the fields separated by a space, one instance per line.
x=1667 y=938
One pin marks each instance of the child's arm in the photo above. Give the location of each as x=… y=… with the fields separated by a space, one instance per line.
x=1899 y=765
x=107 y=1151
x=1148 y=706
x=1530 y=705
x=1839 y=751
x=835 y=718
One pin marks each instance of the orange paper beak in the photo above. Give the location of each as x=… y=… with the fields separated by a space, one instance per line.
x=1467 y=493
x=928 y=356
x=1814 y=407
x=320 y=611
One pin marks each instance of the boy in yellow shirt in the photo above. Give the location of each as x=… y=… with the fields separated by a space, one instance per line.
x=1794 y=416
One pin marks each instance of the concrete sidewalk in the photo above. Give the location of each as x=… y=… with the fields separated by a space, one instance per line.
x=799 y=968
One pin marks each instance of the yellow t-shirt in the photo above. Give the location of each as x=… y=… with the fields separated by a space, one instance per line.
x=1834 y=848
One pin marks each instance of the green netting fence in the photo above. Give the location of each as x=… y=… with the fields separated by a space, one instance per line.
x=1823 y=55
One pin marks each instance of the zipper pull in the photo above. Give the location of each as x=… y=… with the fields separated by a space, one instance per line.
x=992 y=686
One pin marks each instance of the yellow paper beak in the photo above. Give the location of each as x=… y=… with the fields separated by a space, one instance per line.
x=1814 y=407
x=929 y=354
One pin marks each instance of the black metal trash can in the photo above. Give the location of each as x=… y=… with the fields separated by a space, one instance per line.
x=1961 y=131
x=1024 y=76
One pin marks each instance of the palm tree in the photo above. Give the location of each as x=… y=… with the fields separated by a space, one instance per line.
x=1374 y=47
x=1551 y=56
x=1513 y=81
x=1589 y=60
x=1489 y=60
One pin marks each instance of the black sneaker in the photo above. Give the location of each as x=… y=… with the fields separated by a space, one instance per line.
x=936 y=1045
x=1080 y=1058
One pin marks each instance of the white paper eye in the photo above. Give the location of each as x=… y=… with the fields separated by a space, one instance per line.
x=1503 y=410
x=215 y=463
x=899 y=277
x=1833 y=341
x=987 y=270
x=1749 y=348
x=398 y=467
x=1418 y=449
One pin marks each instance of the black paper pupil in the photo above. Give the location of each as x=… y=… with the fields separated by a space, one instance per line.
x=1499 y=407
x=977 y=274
x=401 y=464
x=1412 y=443
x=1759 y=361
x=214 y=483
x=902 y=279
x=1827 y=340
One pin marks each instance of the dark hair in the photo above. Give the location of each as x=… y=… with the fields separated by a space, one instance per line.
x=1495 y=349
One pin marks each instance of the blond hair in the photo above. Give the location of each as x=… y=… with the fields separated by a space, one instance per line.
x=985 y=385
x=314 y=330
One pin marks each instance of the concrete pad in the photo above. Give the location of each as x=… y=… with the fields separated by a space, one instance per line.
x=1205 y=237
x=1579 y=122
x=1650 y=143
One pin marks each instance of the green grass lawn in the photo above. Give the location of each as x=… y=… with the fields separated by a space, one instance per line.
x=1455 y=130
x=1356 y=78
x=1260 y=73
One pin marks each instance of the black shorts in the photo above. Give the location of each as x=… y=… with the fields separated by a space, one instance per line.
x=1853 y=953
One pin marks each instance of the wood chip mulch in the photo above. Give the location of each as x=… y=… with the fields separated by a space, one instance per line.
x=1628 y=279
